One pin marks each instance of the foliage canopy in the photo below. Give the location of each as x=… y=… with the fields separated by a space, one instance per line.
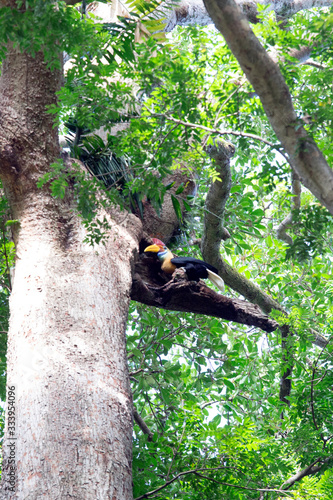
x=206 y=389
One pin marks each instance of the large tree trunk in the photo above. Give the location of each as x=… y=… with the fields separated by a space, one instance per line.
x=69 y=305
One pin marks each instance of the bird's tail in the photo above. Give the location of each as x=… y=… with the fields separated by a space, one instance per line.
x=216 y=280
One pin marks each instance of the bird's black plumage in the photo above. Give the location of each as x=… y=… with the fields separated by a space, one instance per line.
x=195 y=268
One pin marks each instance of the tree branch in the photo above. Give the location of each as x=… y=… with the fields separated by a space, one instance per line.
x=266 y=78
x=213 y=230
x=198 y=473
x=189 y=296
x=218 y=194
x=320 y=340
x=311 y=469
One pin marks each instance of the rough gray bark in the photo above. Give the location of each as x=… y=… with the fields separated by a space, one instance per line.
x=265 y=77
x=66 y=342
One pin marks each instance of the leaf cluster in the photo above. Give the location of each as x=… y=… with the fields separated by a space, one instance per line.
x=208 y=394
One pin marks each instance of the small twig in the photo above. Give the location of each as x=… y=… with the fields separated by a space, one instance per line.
x=142 y=424
x=312 y=398
x=209 y=404
x=239 y=487
x=216 y=131
x=131 y=374
x=153 y=412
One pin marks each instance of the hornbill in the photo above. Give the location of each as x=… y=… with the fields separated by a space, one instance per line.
x=194 y=268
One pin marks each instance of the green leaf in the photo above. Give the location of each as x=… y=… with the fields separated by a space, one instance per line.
x=180 y=189
x=177 y=207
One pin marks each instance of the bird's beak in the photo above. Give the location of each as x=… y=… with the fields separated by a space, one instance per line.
x=152 y=248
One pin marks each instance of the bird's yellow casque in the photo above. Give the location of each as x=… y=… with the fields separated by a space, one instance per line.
x=195 y=268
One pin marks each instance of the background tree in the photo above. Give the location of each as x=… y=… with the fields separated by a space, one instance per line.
x=209 y=420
